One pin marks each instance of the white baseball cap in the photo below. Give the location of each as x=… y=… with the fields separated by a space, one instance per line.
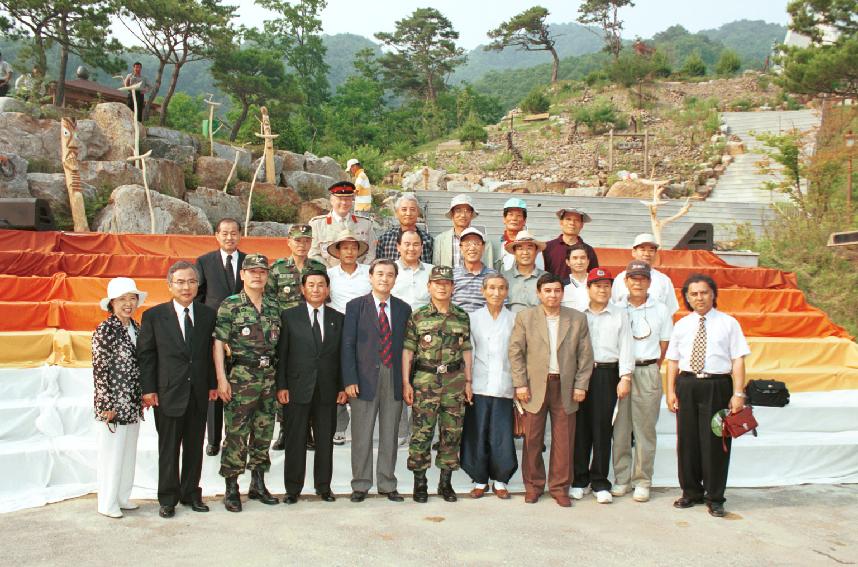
x=351 y=162
x=471 y=230
x=117 y=287
x=645 y=238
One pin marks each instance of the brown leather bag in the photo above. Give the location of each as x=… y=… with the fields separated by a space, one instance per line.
x=517 y=419
x=737 y=424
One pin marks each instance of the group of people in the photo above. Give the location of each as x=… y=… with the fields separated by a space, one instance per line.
x=475 y=335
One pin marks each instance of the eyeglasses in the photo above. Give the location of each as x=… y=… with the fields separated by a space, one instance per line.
x=183 y=283
x=472 y=244
x=640 y=329
x=111 y=426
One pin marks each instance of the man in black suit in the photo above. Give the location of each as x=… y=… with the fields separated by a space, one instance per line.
x=174 y=351
x=220 y=278
x=309 y=382
x=372 y=340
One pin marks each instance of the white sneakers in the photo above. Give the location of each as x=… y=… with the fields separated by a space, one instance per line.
x=620 y=490
x=339 y=438
x=641 y=494
x=603 y=497
x=128 y=506
x=578 y=493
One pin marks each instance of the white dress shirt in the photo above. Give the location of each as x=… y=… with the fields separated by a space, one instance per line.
x=575 y=295
x=660 y=287
x=490 y=338
x=321 y=309
x=180 y=313
x=345 y=286
x=725 y=342
x=611 y=336
x=235 y=266
x=387 y=310
x=553 y=328
x=412 y=284
x=652 y=318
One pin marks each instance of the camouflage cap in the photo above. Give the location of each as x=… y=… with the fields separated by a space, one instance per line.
x=252 y=261
x=300 y=231
x=441 y=273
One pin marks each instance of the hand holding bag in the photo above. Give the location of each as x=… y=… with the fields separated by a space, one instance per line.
x=737 y=424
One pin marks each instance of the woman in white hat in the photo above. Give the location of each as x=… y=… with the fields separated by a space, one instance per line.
x=118 y=395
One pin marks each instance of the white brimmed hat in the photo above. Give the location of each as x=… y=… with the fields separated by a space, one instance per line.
x=117 y=287
x=524 y=237
x=645 y=238
x=585 y=218
x=461 y=200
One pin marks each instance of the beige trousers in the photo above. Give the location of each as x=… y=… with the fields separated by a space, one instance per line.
x=637 y=413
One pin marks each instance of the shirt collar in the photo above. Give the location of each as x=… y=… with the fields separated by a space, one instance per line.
x=181 y=310
x=420 y=266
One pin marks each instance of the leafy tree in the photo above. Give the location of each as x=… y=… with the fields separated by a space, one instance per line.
x=605 y=14
x=729 y=63
x=528 y=31
x=186 y=112
x=424 y=54
x=600 y=115
x=76 y=26
x=535 y=102
x=630 y=68
x=468 y=101
x=694 y=65
x=472 y=131
x=823 y=67
x=251 y=76
x=356 y=112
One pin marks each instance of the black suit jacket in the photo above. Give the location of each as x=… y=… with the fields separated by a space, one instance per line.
x=213 y=289
x=167 y=368
x=300 y=366
x=361 y=343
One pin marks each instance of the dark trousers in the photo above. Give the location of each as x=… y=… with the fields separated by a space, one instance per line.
x=594 y=430
x=214 y=422
x=185 y=432
x=488 y=447
x=297 y=424
x=703 y=464
x=562 y=439
x=141 y=102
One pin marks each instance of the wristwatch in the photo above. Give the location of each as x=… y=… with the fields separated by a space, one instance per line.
x=740 y=394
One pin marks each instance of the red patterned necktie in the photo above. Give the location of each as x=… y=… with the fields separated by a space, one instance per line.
x=385 y=352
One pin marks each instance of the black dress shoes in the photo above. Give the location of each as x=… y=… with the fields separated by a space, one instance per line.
x=197 y=505
x=290 y=499
x=327 y=496
x=358 y=496
x=716 y=509
x=394 y=496
x=167 y=511
x=683 y=502
x=212 y=450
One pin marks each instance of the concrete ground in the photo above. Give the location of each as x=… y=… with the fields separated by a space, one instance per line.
x=801 y=525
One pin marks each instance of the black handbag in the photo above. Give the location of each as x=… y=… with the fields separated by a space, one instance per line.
x=768 y=393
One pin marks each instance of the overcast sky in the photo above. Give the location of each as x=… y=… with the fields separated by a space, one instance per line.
x=472 y=18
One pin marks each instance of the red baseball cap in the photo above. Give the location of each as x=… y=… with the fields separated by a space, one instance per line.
x=599 y=274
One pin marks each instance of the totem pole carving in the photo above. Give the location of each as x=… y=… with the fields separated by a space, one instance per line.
x=71 y=167
x=265 y=124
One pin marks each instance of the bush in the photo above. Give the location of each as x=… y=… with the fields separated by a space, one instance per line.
x=600 y=116
x=694 y=65
x=535 y=102
x=472 y=131
x=266 y=211
x=729 y=63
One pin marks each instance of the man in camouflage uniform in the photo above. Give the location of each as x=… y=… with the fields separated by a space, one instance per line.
x=248 y=326
x=438 y=341
x=284 y=286
x=326 y=228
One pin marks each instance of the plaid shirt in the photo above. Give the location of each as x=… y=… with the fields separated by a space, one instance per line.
x=386 y=247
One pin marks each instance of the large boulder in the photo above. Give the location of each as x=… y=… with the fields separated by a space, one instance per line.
x=161 y=148
x=127 y=211
x=52 y=188
x=278 y=168
x=13 y=176
x=267 y=228
x=276 y=195
x=325 y=166
x=166 y=177
x=174 y=137
x=630 y=188
x=94 y=145
x=416 y=180
x=116 y=121
x=308 y=183
x=291 y=160
x=309 y=209
x=32 y=139
x=10 y=104
x=216 y=204
x=110 y=174
x=213 y=171
x=225 y=151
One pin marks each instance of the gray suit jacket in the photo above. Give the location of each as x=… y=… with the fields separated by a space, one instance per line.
x=529 y=354
x=442 y=251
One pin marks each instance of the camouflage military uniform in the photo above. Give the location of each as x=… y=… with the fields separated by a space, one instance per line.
x=437 y=339
x=284 y=281
x=249 y=415
x=326 y=229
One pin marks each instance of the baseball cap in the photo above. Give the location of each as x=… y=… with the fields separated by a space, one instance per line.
x=471 y=230
x=584 y=216
x=515 y=203
x=254 y=261
x=351 y=162
x=300 y=231
x=461 y=200
x=638 y=268
x=598 y=275
x=645 y=238
x=441 y=273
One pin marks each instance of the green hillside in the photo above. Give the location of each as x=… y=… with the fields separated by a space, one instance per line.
x=751 y=39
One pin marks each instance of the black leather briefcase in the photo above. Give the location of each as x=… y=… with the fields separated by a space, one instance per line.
x=767 y=393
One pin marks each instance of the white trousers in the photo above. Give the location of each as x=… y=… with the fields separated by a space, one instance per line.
x=117 y=457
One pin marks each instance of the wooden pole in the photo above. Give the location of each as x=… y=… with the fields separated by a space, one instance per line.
x=133 y=90
x=646 y=151
x=142 y=159
x=212 y=104
x=269 y=146
x=611 y=150
x=250 y=196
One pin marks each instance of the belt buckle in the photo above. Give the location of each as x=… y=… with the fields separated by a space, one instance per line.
x=442 y=369
x=264 y=362
x=700 y=375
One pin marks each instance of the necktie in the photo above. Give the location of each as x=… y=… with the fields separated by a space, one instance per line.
x=386 y=347
x=230 y=274
x=317 y=329
x=189 y=329
x=698 y=351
